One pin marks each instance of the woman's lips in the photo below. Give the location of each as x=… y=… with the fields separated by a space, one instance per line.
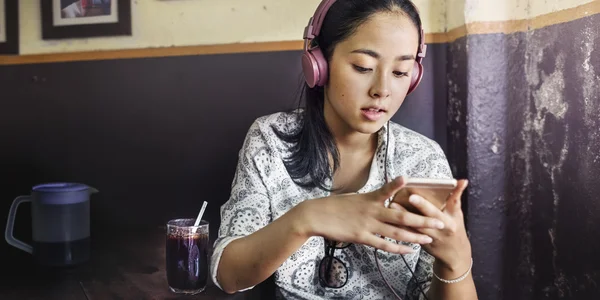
x=372 y=113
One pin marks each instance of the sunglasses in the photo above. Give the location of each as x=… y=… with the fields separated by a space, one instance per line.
x=333 y=273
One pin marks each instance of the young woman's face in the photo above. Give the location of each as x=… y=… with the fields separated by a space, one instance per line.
x=369 y=74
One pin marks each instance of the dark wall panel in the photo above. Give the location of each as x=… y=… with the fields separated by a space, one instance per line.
x=155 y=136
x=527 y=105
x=564 y=162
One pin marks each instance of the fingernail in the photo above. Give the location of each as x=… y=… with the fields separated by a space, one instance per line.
x=395 y=205
x=414 y=199
x=427 y=240
x=439 y=225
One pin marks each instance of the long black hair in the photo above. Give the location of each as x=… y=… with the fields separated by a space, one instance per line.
x=313 y=141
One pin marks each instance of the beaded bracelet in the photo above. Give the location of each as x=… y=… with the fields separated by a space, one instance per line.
x=459 y=279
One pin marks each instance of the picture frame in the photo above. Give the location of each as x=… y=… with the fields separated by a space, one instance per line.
x=9 y=27
x=64 y=19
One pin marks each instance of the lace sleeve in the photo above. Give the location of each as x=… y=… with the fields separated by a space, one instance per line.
x=248 y=207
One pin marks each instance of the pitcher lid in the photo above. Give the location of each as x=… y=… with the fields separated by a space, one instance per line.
x=60 y=187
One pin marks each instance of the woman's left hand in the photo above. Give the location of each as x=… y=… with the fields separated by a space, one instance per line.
x=451 y=246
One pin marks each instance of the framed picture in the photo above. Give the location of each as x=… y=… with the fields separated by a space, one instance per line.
x=9 y=27
x=62 y=19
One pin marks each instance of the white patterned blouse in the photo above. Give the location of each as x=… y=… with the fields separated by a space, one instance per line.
x=262 y=191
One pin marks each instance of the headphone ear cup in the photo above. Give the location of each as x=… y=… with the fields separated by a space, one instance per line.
x=417 y=76
x=314 y=67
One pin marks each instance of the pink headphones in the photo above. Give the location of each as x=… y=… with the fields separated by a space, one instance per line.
x=314 y=64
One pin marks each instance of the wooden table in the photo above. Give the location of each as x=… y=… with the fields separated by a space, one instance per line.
x=126 y=266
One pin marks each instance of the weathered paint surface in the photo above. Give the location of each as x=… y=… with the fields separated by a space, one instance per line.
x=527 y=105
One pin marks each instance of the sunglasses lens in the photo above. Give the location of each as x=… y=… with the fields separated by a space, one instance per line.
x=338 y=245
x=342 y=245
x=332 y=272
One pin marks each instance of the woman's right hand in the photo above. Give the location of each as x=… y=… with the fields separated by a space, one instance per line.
x=359 y=218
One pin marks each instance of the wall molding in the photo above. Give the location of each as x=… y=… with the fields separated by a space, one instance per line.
x=513 y=26
x=152 y=52
x=505 y=27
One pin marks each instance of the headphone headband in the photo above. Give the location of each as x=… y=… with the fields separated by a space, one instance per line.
x=314 y=24
x=316 y=21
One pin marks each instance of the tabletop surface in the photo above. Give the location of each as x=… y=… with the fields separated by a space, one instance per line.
x=126 y=266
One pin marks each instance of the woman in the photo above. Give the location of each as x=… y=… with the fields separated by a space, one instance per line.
x=308 y=201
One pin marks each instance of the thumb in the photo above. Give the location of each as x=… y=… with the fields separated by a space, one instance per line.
x=454 y=204
x=389 y=189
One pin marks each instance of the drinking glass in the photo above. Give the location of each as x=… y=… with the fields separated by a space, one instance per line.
x=187 y=256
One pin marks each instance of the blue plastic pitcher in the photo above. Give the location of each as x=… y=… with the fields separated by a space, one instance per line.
x=60 y=216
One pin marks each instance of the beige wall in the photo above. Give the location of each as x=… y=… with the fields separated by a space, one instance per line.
x=462 y=12
x=181 y=23
x=166 y=23
x=194 y=22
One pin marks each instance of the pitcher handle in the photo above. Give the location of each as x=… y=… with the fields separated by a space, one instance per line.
x=10 y=223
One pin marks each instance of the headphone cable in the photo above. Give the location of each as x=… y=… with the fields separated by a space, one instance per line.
x=417 y=282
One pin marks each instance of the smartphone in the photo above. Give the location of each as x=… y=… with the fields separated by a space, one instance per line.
x=433 y=190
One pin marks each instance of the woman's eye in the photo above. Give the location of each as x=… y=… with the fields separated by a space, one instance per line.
x=400 y=74
x=361 y=69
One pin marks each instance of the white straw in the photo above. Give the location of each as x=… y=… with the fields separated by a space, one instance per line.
x=200 y=214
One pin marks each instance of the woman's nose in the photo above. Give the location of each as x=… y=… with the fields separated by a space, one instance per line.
x=380 y=89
